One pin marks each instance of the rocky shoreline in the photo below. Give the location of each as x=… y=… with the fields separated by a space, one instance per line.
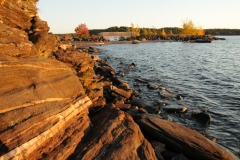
x=62 y=102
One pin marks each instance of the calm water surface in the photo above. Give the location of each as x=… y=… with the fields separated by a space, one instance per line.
x=208 y=75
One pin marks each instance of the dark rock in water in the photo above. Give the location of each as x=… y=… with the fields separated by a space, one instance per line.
x=152 y=110
x=142 y=110
x=182 y=139
x=165 y=94
x=131 y=66
x=202 y=117
x=137 y=102
x=139 y=90
x=141 y=80
x=152 y=86
x=179 y=157
x=179 y=97
x=158 y=148
x=175 y=108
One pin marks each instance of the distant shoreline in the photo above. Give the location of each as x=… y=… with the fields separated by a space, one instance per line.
x=84 y=44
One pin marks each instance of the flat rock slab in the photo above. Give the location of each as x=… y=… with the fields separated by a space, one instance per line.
x=182 y=139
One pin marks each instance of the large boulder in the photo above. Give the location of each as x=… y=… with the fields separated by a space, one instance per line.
x=43 y=109
x=114 y=135
x=182 y=139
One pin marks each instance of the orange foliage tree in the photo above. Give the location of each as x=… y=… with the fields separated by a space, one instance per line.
x=82 y=30
x=190 y=29
x=163 y=33
x=201 y=32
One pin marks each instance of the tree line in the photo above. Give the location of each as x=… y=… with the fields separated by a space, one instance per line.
x=168 y=30
x=188 y=28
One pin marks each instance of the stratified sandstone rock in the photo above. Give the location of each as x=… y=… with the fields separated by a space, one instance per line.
x=182 y=139
x=103 y=68
x=114 y=135
x=18 y=14
x=44 y=42
x=79 y=61
x=19 y=24
x=43 y=109
x=14 y=42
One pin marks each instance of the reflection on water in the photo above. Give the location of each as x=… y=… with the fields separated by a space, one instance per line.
x=206 y=74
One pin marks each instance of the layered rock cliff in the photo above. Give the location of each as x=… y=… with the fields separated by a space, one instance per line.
x=44 y=109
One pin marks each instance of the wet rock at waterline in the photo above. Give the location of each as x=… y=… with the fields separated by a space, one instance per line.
x=182 y=139
x=179 y=97
x=131 y=66
x=137 y=102
x=140 y=80
x=152 y=110
x=152 y=86
x=165 y=93
x=142 y=110
x=93 y=50
x=175 y=108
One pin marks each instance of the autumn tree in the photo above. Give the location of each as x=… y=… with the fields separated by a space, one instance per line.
x=163 y=33
x=188 y=28
x=135 y=30
x=153 y=31
x=200 y=31
x=145 y=32
x=82 y=30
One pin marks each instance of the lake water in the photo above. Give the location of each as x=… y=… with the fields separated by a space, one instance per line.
x=207 y=75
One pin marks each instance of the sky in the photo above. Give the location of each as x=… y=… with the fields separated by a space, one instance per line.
x=64 y=16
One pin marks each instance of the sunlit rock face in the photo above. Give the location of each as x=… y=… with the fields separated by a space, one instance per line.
x=22 y=32
x=43 y=108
